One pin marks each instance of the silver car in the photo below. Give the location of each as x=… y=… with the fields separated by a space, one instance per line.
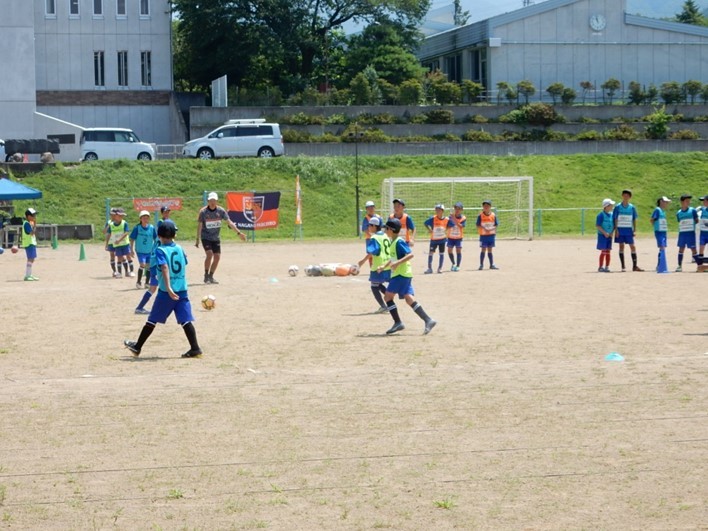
x=238 y=138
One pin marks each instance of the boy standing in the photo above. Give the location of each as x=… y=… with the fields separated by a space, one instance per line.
x=142 y=242
x=455 y=232
x=687 y=219
x=703 y=212
x=172 y=294
x=605 y=225
x=401 y=279
x=625 y=218
x=378 y=253
x=487 y=224
x=658 y=219
x=29 y=242
x=117 y=239
x=370 y=214
x=407 y=225
x=437 y=228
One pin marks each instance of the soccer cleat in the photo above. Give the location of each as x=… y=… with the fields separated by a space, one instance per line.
x=637 y=268
x=191 y=353
x=480 y=268
x=130 y=274
x=429 y=325
x=397 y=327
x=600 y=269
x=132 y=346
x=493 y=267
x=138 y=285
x=206 y=278
x=439 y=270
x=116 y=274
x=623 y=270
x=381 y=309
x=607 y=270
x=428 y=271
x=212 y=280
x=30 y=278
x=141 y=311
x=679 y=269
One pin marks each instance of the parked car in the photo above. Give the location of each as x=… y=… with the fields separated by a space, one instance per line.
x=99 y=143
x=238 y=138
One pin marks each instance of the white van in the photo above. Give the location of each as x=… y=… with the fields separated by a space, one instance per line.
x=98 y=143
x=238 y=138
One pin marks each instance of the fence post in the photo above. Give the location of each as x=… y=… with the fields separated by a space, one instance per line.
x=539 y=224
x=582 y=222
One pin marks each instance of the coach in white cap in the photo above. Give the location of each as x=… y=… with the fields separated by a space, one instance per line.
x=209 y=230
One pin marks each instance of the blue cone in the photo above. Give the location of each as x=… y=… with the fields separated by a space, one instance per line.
x=662 y=267
x=614 y=356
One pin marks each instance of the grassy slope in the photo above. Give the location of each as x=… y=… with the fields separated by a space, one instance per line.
x=78 y=194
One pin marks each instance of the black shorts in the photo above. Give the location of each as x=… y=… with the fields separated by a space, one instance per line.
x=212 y=245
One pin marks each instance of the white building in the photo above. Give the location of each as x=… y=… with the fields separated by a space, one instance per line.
x=570 y=41
x=87 y=63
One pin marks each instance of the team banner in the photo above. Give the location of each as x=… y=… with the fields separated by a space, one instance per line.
x=253 y=210
x=153 y=204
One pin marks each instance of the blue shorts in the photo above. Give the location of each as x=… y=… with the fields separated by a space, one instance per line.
x=687 y=239
x=123 y=250
x=110 y=248
x=704 y=237
x=625 y=238
x=401 y=286
x=437 y=244
x=660 y=238
x=454 y=242
x=164 y=306
x=31 y=252
x=487 y=241
x=143 y=258
x=154 y=271
x=603 y=243
x=379 y=278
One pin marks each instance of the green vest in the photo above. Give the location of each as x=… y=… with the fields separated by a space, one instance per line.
x=28 y=239
x=406 y=268
x=385 y=253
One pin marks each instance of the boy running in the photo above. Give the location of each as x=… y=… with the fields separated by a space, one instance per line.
x=172 y=295
x=625 y=218
x=487 y=224
x=29 y=242
x=658 y=219
x=687 y=218
x=437 y=228
x=605 y=225
x=142 y=242
x=378 y=253
x=401 y=279
x=455 y=232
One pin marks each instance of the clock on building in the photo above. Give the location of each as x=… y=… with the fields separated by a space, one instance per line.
x=598 y=22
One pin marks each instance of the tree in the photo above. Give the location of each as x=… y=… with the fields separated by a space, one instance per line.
x=658 y=124
x=568 y=96
x=502 y=89
x=472 y=90
x=555 y=90
x=691 y=14
x=411 y=92
x=671 y=92
x=636 y=93
x=526 y=89
x=460 y=17
x=587 y=86
x=610 y=88
x=360 y=89
x=692 y=89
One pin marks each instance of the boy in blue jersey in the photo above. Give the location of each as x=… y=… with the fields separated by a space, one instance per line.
x=29 y=242
x=658 y=219
x=625 y=219
x=401 y=283
x=172 y=294
x=687 y=218
x=605 y=225
x=437 y=228
x=370 y=207
x=377 y=253
x=152 y=266
x=703 y=214
x=142 y=242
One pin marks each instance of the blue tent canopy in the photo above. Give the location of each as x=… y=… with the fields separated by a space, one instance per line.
x=12 y=190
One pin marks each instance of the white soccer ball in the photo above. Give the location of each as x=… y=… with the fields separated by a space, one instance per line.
x=209 y=302
x=293 y=270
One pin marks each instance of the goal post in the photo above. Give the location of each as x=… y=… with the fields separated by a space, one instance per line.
x=511 y=197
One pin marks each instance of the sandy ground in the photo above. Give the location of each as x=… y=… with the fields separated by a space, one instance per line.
x=302 y=414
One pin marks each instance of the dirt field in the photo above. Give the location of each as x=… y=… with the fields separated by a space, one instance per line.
x=302 y=414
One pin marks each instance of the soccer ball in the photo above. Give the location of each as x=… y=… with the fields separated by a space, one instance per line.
x=14 y=249
x=293 y=270
x=354 y=270
x=209 y=302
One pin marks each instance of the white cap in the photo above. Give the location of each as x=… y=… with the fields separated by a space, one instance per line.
x=369 y=204
x=607 y=202
x=664 y=198
x=144 y=213
x=213 y=195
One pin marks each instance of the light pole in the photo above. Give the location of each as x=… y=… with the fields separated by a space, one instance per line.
x=356 y=135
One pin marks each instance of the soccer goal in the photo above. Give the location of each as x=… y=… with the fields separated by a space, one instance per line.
x=511 y=197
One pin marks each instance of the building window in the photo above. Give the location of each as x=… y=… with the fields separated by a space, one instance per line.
x=98 y=7
x=120 y=8
x=74 y=7
x=50 y=8
x=123 y=69
x=146 y=69
x=99 y=69
x=144 y=8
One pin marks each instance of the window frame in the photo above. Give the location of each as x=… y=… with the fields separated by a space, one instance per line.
x=146 y=68
x=122 y=59
x=99 y=68
x=50 y=8
x=144 y=13
x=77 y=5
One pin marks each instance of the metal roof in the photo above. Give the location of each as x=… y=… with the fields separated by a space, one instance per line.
x=653 y=23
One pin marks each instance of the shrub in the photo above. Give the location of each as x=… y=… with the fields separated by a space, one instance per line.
x=472 y=90
x=385 y=118
x=658 y=124
x=589 y=135
x=291 y=135
x=478 y=119
x=704 y=93
x=514 y=117
x=477 y=136
x=337 y=119
x=421 y=118
x=447 y=93
x=327 y=137
x=541 y=114
x=411 y=92
x=568 y=96
x=703 y=118
x=588 y=120
x=684 y=134
x=340 y=96
x=555 y=90
x=446 y=137
x=610 y=88
x=622 y=132
x=692 y=89
x=526 y=89
x=413 y=138
x=671 y=92
x=296 y=119
x=636 y=93
x=440 y=116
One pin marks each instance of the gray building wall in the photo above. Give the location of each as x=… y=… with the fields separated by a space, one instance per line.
x=17 y=88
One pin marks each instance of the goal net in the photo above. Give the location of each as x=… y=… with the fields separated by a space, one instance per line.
x=511 y=197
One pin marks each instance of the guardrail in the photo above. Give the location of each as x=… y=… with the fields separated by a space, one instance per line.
x=169 y=151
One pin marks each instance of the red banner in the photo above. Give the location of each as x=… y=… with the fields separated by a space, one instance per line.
x=153 y=204
x=253 y=210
